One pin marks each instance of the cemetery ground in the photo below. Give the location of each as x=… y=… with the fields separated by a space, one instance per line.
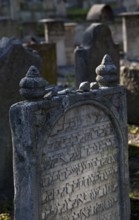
x=6 y=207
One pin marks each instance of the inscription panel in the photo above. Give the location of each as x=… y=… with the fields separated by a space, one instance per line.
x=79 y=168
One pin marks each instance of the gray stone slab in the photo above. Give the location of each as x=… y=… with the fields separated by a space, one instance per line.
x=97 y=41
x=70 y=152
x=14 y=62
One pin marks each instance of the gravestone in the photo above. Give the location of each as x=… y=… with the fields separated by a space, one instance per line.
x=70 y=150
x=129 y=78
x=97 y=41
x=100 y=13
x=60 y=8
x=130 y=34
x=14 y=62
x=69 y=42
x=54 y=33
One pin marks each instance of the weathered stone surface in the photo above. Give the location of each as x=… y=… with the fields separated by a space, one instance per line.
x=97 y=42
x=14 y=63
x=71 y=156
x=100 y=13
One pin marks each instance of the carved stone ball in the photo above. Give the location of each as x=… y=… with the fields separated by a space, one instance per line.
x=84 y=86
x=94 y=85
x=32 y=86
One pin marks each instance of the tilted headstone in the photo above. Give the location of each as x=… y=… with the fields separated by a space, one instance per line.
x=97 y=41
x=14 y=62
x=70 y=150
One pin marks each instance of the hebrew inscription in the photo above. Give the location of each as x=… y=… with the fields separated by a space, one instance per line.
x=79 y=168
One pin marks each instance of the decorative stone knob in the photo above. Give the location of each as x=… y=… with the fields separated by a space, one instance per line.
x=94 y=85
x=84 y=86
x=32 y=86
x=107 y=73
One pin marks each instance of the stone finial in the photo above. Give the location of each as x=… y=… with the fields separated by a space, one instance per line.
x=32 y=86
x=107 y=73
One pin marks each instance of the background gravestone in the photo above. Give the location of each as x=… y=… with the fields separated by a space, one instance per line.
x=55 y=33
x=14 y=62
x=97 y=41
x=70 y=150
x=130 y=34
x=47 y=52
x=100 y=13
x=129 y=77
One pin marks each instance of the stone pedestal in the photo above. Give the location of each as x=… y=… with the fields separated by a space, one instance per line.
x=54 y=33
x=131 y=34
x=70 y=42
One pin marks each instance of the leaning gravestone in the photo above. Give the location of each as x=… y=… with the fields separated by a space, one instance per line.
x=14 y=62
x=70 y=150
x=97 y=41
